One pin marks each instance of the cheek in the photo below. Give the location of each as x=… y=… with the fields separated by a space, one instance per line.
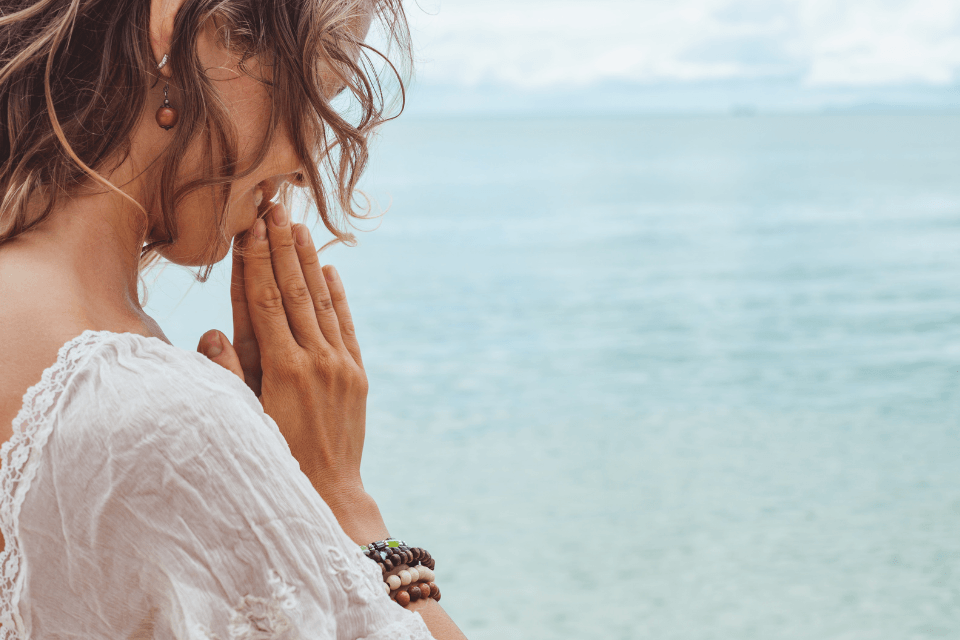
x=201 y=240
x=248 y=103
x=250 y=106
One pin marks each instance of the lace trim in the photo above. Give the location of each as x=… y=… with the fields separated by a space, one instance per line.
x=19 y=458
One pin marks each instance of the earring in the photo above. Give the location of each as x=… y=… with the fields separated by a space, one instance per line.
x=167 y=116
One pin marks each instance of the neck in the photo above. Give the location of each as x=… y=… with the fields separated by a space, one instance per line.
x=84 y=260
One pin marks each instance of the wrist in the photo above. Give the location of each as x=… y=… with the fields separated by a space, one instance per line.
x=358 y=515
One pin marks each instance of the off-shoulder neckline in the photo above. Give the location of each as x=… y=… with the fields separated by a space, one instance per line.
x=93 y=336
x=104 y=333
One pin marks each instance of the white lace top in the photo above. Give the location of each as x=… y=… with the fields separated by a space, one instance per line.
x=145 y=494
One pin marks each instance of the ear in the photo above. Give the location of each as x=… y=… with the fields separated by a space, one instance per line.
x=162 y=15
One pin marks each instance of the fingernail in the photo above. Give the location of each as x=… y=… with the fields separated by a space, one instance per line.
x=330 y=272
x=258 y=196
x=214 y=346
x=278 y=216
x=259 y=229
x=303 y=236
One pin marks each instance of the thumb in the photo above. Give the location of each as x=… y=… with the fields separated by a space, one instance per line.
x=215 y=346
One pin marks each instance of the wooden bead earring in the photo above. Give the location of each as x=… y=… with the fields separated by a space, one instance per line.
x=167 y=116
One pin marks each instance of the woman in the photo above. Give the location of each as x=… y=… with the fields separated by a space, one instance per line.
x=149 y=491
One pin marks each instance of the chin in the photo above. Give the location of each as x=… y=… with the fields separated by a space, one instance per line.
x=198 y=256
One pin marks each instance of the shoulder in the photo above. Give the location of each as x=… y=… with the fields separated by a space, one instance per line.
x=142 y=373
x=127 y=387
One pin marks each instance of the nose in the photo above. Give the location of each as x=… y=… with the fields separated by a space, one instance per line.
x=272 y=185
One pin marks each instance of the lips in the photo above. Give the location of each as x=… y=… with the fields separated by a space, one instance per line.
x=263 y=196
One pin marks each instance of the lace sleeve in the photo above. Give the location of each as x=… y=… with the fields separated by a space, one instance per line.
x=167 y=504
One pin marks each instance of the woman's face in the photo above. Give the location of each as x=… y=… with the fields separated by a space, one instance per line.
x=247 y=100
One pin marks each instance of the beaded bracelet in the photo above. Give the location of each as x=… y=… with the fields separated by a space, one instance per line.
x=392 y=553
x=415 y=592
x=404 y=575
x=407 y=571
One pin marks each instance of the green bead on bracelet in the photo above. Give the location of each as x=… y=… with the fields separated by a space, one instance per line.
x=389 y=543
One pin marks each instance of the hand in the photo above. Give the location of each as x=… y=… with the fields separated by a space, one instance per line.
x=296 y=347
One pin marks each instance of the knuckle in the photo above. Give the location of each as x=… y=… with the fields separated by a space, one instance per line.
x=258 y=259
x=324 y=304
x=339 y=373
x=362 y=384
x=328 y=365
x=348 y=373
x=289 y=369
x=356 y=383
x=337 y=294
x=297 y=365
x=268 y=301
x=284 y=243
x=295 y=288
x=324 y=362
x=309 y=258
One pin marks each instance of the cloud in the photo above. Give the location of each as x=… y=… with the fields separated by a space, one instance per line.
x=876 y=43
x=564 y=43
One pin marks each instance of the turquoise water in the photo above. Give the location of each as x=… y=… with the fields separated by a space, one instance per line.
x=664 y=377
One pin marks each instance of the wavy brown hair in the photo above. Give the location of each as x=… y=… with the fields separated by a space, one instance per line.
x=74 y=76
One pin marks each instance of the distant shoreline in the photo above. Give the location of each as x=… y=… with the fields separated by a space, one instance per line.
x=696 y=98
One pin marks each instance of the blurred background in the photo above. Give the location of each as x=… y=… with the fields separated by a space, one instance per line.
x=663 y=321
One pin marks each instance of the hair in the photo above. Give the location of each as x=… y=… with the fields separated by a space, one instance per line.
x=74 y=75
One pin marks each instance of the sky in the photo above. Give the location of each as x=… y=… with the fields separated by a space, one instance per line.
x=817 y=47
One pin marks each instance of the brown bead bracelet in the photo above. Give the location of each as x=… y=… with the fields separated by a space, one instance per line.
x=414 y=592
x=390 y=557
x=407 y=571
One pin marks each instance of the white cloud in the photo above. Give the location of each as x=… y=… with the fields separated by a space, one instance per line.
x=549 y=43
x=870 y=43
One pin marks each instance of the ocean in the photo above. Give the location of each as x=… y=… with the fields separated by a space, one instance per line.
x=662 y=377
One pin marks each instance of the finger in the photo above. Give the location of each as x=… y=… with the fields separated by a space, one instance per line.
x=317 y=284
x=217 y=348
x=264 y=300
x=339 y=296
x=293 y=288
x=244 y=338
